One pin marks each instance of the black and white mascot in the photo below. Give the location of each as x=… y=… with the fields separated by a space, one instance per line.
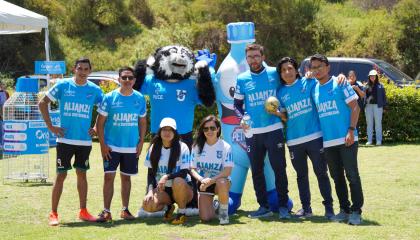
x=175 y=83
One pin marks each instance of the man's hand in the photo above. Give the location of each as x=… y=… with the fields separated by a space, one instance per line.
x=341 y=79
x=92 y=131
x=106 y=152
x=205 y=183
x=148 y=198
x=139 y=148
x=57 y=131
x=349 y=138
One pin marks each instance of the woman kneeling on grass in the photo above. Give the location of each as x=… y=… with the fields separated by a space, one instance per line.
x=168 y=162
x=212 y=164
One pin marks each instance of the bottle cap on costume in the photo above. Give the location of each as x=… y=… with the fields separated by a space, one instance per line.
x=240 y=32
x=168 y=122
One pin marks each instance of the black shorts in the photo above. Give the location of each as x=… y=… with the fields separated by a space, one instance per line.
x=128 y=163
x=210 y=190
x=65 y=153
x=169 y=191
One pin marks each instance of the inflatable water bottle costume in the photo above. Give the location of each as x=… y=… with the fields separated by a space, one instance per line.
x=238 y=35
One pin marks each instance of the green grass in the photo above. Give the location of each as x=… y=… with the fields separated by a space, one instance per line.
x=390 y=179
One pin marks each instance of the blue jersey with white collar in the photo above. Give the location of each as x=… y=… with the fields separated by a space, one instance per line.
x=334 y=114
x=302 y=116
x=254 y=89
x=122 y=122
x=76 y=105
x=176 y=100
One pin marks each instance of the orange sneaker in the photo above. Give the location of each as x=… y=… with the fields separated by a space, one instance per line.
x=169 y=212
x=179 y=219
x=53 y=219
x=126 y=215
x=85 y=216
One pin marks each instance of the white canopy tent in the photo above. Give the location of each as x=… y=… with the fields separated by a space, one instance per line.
x=18 y=20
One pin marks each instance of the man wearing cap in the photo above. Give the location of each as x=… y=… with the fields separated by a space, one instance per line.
x=338 y=113
x=122 y=113
x=77 y=96
x=375 y=104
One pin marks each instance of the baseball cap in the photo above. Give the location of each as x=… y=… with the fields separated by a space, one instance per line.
x=168 y=122
x=373 y=73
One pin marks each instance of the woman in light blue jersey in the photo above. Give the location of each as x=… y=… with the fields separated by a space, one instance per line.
x=168 y=162
x=212 y=164
x=304 y=135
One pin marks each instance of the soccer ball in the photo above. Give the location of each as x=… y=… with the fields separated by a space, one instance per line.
x=271 y=104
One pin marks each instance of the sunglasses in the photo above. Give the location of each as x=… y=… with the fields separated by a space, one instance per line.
x=211 y=128
x=127 y=78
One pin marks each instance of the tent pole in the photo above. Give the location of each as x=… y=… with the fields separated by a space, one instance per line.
x=47 y=54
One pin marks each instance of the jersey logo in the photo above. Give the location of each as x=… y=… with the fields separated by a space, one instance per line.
x=69 y=93
x=249 y=85
x=285 y=97
x=117 y=104
x=219 y=154
x=271 y=79
x=181 y=94
x=89 y=95
x=292 y=156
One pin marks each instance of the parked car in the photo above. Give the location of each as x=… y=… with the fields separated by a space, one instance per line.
x=103 y=77
x=362 y=66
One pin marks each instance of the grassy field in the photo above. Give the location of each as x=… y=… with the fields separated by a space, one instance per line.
x=390 y=179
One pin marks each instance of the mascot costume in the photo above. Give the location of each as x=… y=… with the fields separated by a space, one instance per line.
x=238 y=35
x=176 y=83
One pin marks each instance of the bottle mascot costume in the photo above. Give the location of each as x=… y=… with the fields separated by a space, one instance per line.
x=175 y=84
x=238 y=35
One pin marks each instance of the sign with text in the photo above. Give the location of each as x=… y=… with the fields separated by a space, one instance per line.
x=50 y=67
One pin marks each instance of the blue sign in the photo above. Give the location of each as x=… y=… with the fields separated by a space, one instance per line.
x=50 y=67
x=25 y=137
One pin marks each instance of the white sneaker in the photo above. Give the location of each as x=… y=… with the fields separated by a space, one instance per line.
x=378 y=143
x=223 y=216
x=368 y=143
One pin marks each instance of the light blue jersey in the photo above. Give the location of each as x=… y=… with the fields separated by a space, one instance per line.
x=334 y=114
x=184 y=162
x=175 y=100
x=212 y=159
x=302 y=117
x=254 y=89
x=76 y=104
x=122 y=123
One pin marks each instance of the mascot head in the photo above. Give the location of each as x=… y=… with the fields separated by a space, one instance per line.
x=172 y=63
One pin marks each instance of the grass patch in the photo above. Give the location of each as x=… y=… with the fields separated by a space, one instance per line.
x=390 y=180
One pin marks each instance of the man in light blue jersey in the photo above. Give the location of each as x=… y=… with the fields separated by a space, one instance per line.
x=338 y=113
x=304 y=135
x=122 y=113
x=76 y=97
x=253 y=88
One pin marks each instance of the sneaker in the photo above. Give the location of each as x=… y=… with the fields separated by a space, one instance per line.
x=378 y=143
x=126 y=215
x=104 y=216
x=329 y=213
x=53 y=219
x=340 y=217
x=179 y=219
x=85 y=216
x=302 y=213
x=368 y=143
x=355 y=218
x=284 y=213
x=223 y=216
x=261 y=212
x=169 y=212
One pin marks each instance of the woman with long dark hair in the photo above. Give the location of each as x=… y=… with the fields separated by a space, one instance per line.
x=375 y=103
x=212 y=164
x=168 y=162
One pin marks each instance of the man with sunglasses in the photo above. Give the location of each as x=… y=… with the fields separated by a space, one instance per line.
x=76 y=96
x=122 y=113
x=338 y=113
x=252 y=90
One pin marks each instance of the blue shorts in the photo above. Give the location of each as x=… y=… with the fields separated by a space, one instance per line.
x=128 y=163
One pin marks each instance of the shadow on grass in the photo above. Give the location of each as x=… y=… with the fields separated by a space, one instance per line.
x=190 y=222
x=28 y=184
